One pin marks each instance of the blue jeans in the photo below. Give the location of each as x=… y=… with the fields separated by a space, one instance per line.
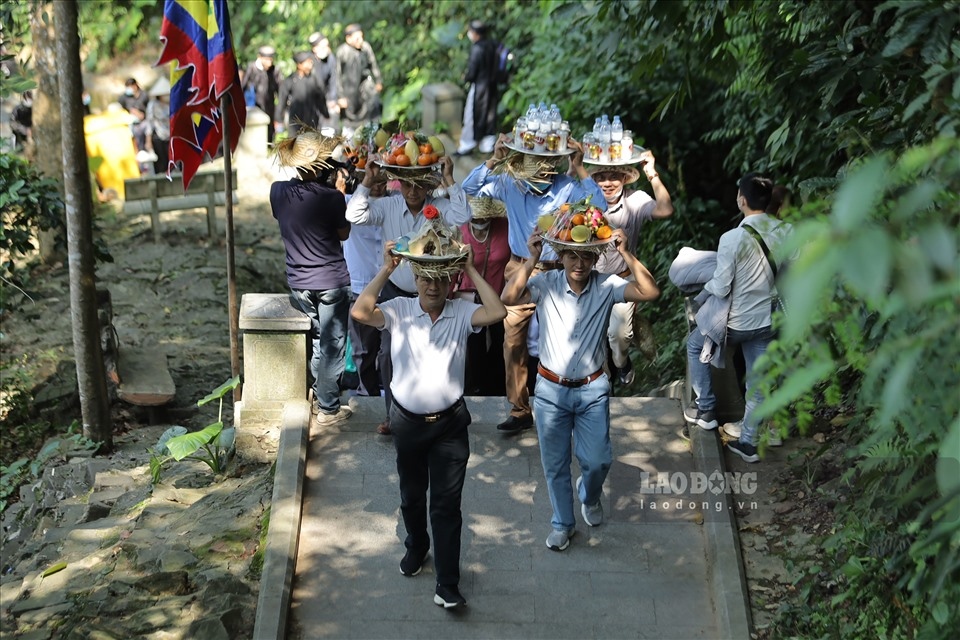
x=583 y=413
x=328 y=311
x=754 y=344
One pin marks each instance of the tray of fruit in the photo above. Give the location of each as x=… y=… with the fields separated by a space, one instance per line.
x=411 y=150
x=577 y=225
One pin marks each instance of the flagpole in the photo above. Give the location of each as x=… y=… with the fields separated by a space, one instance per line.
x=234 y=312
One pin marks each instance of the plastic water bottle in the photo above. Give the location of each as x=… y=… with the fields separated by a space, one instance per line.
x=604 y=140
x=616 y=140
x=403 y=244
x=616 y=130
x=555 y=118
x=596 y=129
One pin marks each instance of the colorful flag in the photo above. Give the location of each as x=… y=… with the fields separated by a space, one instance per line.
x=196 y=36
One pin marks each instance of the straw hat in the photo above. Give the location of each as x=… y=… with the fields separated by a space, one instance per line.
x=309 y=149
x=485 y=207
x=435 y=251
x=629 y=172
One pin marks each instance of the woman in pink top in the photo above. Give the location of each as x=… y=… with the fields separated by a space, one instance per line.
x=487 y=234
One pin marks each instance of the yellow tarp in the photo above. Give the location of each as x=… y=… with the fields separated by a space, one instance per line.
x=108 y=137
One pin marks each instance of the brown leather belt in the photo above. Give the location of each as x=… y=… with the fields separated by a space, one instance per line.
x=543 y=265
x=428 y=417
x=567 y=382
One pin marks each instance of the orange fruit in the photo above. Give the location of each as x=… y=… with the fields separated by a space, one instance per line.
x=565 y=207
x=426 y=147
x=402 y=160
x=604 y=232
x=424 y=160
x=564 y=235
x=578 y=219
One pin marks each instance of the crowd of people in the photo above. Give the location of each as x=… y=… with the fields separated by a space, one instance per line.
x=522 y=303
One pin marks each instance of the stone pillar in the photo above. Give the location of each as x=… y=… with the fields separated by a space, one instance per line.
x=253 y=139
x=443 y=102
x=274 y=363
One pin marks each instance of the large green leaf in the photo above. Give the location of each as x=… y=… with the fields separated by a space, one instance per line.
x=858 y=195
x=188 y=444
x=220 y=391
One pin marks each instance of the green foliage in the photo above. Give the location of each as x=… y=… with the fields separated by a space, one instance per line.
x=28 y=203
x=212 y=445
x=874 y=297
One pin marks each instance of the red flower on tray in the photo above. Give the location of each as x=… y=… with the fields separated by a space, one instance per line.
x=430 y=212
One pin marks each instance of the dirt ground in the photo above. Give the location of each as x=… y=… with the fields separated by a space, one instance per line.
x=170 y=296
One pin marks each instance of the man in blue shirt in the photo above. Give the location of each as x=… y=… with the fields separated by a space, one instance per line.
x=573 y=392
x=525 y=202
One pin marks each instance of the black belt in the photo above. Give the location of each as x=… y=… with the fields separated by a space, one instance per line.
x=428 y=417
x=567 y=382
x=543 y=265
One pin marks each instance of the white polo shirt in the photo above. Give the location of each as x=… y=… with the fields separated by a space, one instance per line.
x=428 y=357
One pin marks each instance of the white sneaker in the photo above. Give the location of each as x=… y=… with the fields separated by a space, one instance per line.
x=592 y=513
x=559 y=540
x=733 y=429
x=325 y=419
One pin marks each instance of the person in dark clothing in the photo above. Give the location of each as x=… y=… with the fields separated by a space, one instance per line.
x=301 y=99
x=480 y=112
x=134 y=100
x=265 y=80
x=21 y=121
x=359 y=81
x=311 y=213
x=325 y=72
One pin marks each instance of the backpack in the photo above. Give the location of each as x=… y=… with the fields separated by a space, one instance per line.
x=506 y=64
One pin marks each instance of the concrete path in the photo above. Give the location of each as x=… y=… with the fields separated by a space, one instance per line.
x=646 y=572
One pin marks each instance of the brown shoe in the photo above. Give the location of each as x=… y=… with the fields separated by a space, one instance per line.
x=384 y=428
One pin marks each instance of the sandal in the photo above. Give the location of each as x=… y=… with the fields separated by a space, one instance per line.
x=384 y=428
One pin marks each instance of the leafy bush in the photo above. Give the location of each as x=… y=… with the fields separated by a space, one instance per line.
x=874 y=296
x=29 y=203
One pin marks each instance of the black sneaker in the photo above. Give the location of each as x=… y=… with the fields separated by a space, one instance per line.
x=690 y=413
x=707 y=420
x=448 y=596
x=412 y=562
x=514 y=424
x=625 y=374
x=746 y=451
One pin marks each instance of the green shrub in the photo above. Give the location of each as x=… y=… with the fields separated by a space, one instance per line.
x=872 y=331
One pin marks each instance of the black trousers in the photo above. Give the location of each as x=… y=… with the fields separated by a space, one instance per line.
x=433 y=456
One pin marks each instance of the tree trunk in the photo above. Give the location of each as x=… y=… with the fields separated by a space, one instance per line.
x=46 y=115
x=78 y=201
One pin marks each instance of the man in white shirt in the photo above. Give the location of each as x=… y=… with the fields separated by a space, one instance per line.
x=398 y=215
x=745 y=280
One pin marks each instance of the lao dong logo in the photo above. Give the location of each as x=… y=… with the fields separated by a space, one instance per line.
x=698 y=483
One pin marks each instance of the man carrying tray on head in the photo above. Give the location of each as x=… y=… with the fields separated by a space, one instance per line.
x=529 y=186
x=429 y=417
x=398 y=215
x=572 y=392
x=627 y=209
